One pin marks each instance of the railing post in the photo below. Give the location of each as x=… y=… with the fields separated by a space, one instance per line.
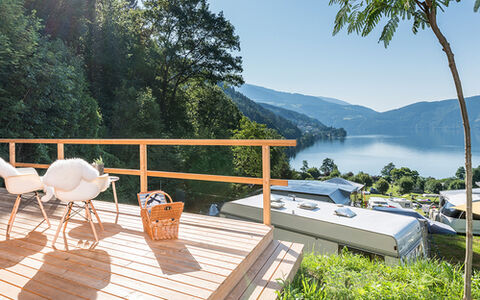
x=266 y=184
x=11 y=148
x=143 y=168
x=60 y=151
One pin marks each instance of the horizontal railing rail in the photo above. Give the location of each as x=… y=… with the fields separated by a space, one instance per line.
x=144 y=173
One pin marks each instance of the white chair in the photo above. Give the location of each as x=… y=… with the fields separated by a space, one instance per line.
x=74 y=180
x=21 y=181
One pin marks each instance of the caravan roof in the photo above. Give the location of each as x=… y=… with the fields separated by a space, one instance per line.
x=459 y=197
x=367 y=230
x=339 y=193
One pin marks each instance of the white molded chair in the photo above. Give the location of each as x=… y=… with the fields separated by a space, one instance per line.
x=21 y=181
x=74 y=180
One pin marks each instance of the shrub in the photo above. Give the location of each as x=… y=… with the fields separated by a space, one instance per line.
x=433 y=186
x=382 y=186
x=405 y=185
x=351 y=276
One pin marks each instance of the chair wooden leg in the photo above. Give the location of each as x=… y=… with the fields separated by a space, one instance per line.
x=13 y=214
x=89 y=218
x=67 y=217
x=60 y=226
x=42 y=209
x=96 y=215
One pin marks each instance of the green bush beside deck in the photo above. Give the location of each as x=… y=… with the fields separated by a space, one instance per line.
x=351 y=276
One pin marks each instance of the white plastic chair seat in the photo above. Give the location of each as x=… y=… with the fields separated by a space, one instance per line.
x=21 y=181
x=86 y=190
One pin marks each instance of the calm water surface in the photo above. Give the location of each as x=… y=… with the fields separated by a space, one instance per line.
x=431 y=155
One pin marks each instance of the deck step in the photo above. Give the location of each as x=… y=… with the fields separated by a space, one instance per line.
x=279 y=261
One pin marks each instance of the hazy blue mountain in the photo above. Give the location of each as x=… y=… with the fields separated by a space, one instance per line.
x=331 y=114
x=418 y=117
x=266 y=95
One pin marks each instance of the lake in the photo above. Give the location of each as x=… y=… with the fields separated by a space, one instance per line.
x=436 y=155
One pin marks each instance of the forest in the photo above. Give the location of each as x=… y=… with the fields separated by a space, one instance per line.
x=117 y=69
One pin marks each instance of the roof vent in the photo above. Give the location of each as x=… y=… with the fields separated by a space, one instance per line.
x=345 y=212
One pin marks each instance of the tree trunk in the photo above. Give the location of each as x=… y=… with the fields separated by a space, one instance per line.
x=432 y=17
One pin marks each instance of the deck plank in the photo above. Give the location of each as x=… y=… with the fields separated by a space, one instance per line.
x=206 y=262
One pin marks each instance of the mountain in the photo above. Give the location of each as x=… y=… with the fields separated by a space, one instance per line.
x=355 y=119
x=322 y=109
x=306 y=124
x=257 y=113
x=265 y=95
x=290 y=124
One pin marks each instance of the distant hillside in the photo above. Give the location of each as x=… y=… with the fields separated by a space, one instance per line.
x=331 y=114
x=257 y=113
x=418 y=117
x=306 y=124
x=288 y=123
x=265 y=95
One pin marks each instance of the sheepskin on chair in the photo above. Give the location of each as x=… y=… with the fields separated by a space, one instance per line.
x=66 y=175
x=7 y=170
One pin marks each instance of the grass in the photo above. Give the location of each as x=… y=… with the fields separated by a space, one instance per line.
x=452 y=249
x=352 y=276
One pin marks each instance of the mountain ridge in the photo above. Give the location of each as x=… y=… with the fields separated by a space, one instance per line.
x=356 y=119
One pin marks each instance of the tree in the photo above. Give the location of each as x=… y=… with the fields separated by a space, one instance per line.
x=382 y=186
x=190 y=43
x=248 y=160
x=43 y=91
x=433 y=186
x=405 y=185
x=403 y=172
x=387 y=169
x=363 y=178
x=456 y=184
x=328 y=165
x=362 y=16
x=460 y=174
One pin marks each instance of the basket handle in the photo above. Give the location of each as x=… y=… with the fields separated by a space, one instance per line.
x=152 y=193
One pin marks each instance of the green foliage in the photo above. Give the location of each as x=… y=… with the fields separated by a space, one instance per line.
x=362 y=16
x=405 y=185
x=397 y=174
x=457 y=184
x=351 y=276
x=112 y=69
x=433 y=186
x=328 y=166
x=382 y=186
x=43 y=90
x=387 y=170
x=248 y=160
x=363 y=178
x=189 y=43
x=460 y=174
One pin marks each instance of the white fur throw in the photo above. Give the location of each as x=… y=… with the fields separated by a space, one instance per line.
x=67 y=174
x=7 y=170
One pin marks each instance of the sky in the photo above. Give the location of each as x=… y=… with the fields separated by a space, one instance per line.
x=287 y=45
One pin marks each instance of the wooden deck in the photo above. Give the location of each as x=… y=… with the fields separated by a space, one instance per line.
x=214 y=258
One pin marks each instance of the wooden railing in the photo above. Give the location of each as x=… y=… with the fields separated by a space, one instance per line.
x=144 y=173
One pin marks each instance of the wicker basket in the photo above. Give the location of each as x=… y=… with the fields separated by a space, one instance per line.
x=160 y=221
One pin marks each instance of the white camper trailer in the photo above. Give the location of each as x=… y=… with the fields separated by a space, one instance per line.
x=322 y=227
